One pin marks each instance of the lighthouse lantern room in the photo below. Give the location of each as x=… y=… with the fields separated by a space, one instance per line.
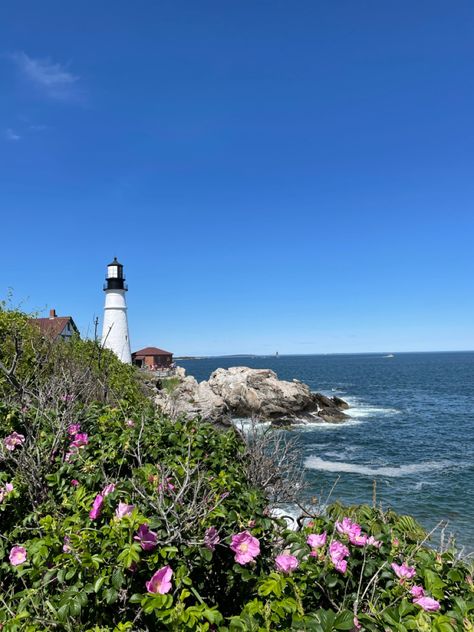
x=115 y=328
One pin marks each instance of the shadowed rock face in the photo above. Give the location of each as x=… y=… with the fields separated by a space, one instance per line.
x=244 y=392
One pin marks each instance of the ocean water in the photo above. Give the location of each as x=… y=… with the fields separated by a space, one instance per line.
x=411 y=430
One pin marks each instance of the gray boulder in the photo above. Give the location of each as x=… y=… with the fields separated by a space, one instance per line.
x=245 y=392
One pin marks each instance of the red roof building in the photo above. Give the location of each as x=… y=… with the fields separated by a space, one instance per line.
x=152 y=358
x=56 y=326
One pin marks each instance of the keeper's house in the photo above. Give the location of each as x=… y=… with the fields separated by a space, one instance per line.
x=153 y=359
x=56 y=327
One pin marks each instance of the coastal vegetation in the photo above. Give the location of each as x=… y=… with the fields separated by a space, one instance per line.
x=115 y=517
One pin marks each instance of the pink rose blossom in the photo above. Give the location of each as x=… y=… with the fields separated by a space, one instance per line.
x=167 y=484
x=73 y=429
x=161 y=581
x=211 y=538
x=357 y=625
x=13 y=440
x=8 y=488
x=66 y=547
x=96 y=510
x=124 y=510
x=80 y=439
x=108 y=489
x=373 y=542
x=17 y=555
x=417 y=591
x=130 y=423
x=147 y=538
x=245 y=547
x=338 y=552
x=316 y=540
x=286 y=563
x=347 y=527
x=404 y=571
x=341 y=566
x=358 y=540
x=427 y=603
x=74 y=482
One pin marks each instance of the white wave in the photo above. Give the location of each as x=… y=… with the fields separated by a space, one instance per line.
x=359 y=409
x=316 y=463
x=246 y=425
x=307 y=426
x=290 y=513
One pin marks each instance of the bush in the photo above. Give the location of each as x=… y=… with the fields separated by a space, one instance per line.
x=185 y=482
x=115 y=518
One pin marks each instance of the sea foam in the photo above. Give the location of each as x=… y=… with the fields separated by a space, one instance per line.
x=411 y=469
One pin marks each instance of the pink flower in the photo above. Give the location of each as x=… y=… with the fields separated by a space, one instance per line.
x=95 y=512
x=66 y=547
x=427 y=603
x=74 y=482
x=348 y=527
x=358 y=540
x=17 y=555
x=147 y=538
x=80 y=439
x=404 y=571
x=124 y=510
x=73 y=429
x=130 y=423
x=373 y=542
x=13 y=440
x=286 y=563
x=161 y=581
x=341 y=566
x=8 y=488
x=169 y=485
x=211 y=538
x=338 y=552
x=245 y=547
x=357 y=625
x=316 y=540
x=108 y=489
x=417 y=591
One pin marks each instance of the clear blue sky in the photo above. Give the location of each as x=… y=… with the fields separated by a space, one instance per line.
x=274 y=175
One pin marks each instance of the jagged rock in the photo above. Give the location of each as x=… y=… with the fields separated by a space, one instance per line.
x=245 y=392
x=340 y=403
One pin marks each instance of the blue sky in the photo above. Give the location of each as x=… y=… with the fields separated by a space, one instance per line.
x=291 y=176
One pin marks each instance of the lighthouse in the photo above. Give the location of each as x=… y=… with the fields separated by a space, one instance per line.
x=115 y=329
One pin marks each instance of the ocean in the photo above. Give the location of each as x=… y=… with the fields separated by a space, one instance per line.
x=411 y=430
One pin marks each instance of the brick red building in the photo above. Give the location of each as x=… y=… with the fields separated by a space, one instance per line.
x=152 y=358
x=56 y=326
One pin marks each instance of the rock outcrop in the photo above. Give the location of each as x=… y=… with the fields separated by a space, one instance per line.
x=245 y=392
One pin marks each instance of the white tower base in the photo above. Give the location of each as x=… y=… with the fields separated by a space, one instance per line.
x=115 y=329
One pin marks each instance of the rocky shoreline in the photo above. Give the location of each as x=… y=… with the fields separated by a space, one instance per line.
x=245 y=392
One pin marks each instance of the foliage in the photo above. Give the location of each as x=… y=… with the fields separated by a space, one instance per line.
x=38 y=370
x=100 y=498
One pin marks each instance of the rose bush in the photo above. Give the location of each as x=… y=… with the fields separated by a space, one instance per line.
x=114 y=518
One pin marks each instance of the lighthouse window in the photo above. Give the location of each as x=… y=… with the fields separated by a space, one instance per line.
x=112 y=272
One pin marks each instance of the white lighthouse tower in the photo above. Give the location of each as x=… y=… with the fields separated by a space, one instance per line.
x=115 y=330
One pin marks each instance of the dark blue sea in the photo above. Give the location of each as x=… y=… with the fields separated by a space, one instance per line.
x=412 y=431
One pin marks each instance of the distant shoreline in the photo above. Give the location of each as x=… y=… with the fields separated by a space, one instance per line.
x=302 y=355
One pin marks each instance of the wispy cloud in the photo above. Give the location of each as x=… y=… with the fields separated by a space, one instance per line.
x=10 y=134
x=54 y=79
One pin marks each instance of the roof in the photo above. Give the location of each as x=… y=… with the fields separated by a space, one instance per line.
x=152 y=351
x=115 y=263
x=53 y=327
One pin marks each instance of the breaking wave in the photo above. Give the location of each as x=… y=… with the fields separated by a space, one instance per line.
x=316 y=463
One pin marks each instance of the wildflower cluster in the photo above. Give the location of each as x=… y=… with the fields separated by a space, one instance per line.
x=154 y=525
